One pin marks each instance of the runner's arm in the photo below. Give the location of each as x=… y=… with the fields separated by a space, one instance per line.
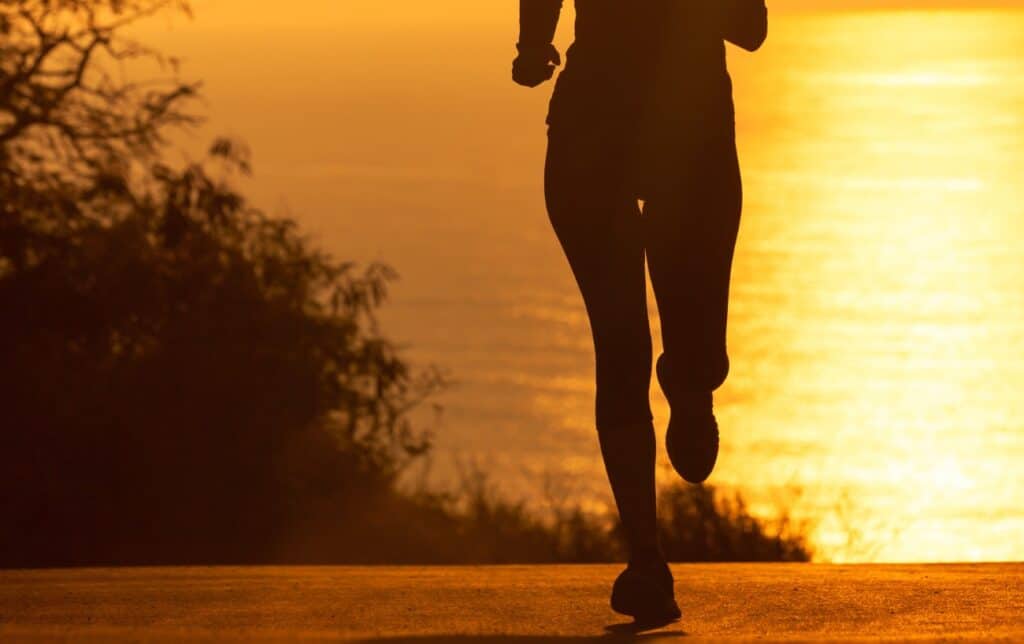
x=745 y=22
x=538 y=20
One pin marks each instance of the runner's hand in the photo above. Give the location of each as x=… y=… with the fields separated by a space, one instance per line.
x=535 y=64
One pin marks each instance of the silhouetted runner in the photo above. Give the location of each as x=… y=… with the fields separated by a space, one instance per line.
x=643 y=112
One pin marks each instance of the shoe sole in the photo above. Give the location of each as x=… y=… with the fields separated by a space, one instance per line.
x=695 y=478
x=646 y=607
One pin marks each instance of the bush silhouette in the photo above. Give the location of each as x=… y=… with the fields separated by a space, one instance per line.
x=183 y=375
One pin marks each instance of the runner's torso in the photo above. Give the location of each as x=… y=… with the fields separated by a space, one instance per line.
x=659 y=63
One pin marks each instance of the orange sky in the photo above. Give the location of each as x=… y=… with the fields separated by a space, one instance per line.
x=450 y=12
x=914 y=127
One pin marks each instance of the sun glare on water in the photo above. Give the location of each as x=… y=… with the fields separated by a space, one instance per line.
x=882 y=236
x=876 y=331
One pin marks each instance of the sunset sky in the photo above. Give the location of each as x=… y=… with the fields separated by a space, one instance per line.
x=448 y=11
x=878 y=279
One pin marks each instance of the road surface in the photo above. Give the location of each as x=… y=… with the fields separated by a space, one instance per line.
x=769 y=602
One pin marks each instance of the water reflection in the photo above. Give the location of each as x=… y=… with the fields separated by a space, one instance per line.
x=877 y=334
x=885 y=245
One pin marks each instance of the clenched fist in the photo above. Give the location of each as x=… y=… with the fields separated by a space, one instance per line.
x=535 y=64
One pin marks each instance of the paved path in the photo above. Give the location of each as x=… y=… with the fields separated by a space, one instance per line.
x=773 y=602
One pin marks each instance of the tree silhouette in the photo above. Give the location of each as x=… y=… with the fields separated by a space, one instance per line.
x=183 y=376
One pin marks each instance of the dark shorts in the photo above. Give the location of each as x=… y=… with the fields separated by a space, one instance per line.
x=654 y=138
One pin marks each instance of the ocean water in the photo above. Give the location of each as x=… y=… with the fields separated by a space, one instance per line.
x=877 y=330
